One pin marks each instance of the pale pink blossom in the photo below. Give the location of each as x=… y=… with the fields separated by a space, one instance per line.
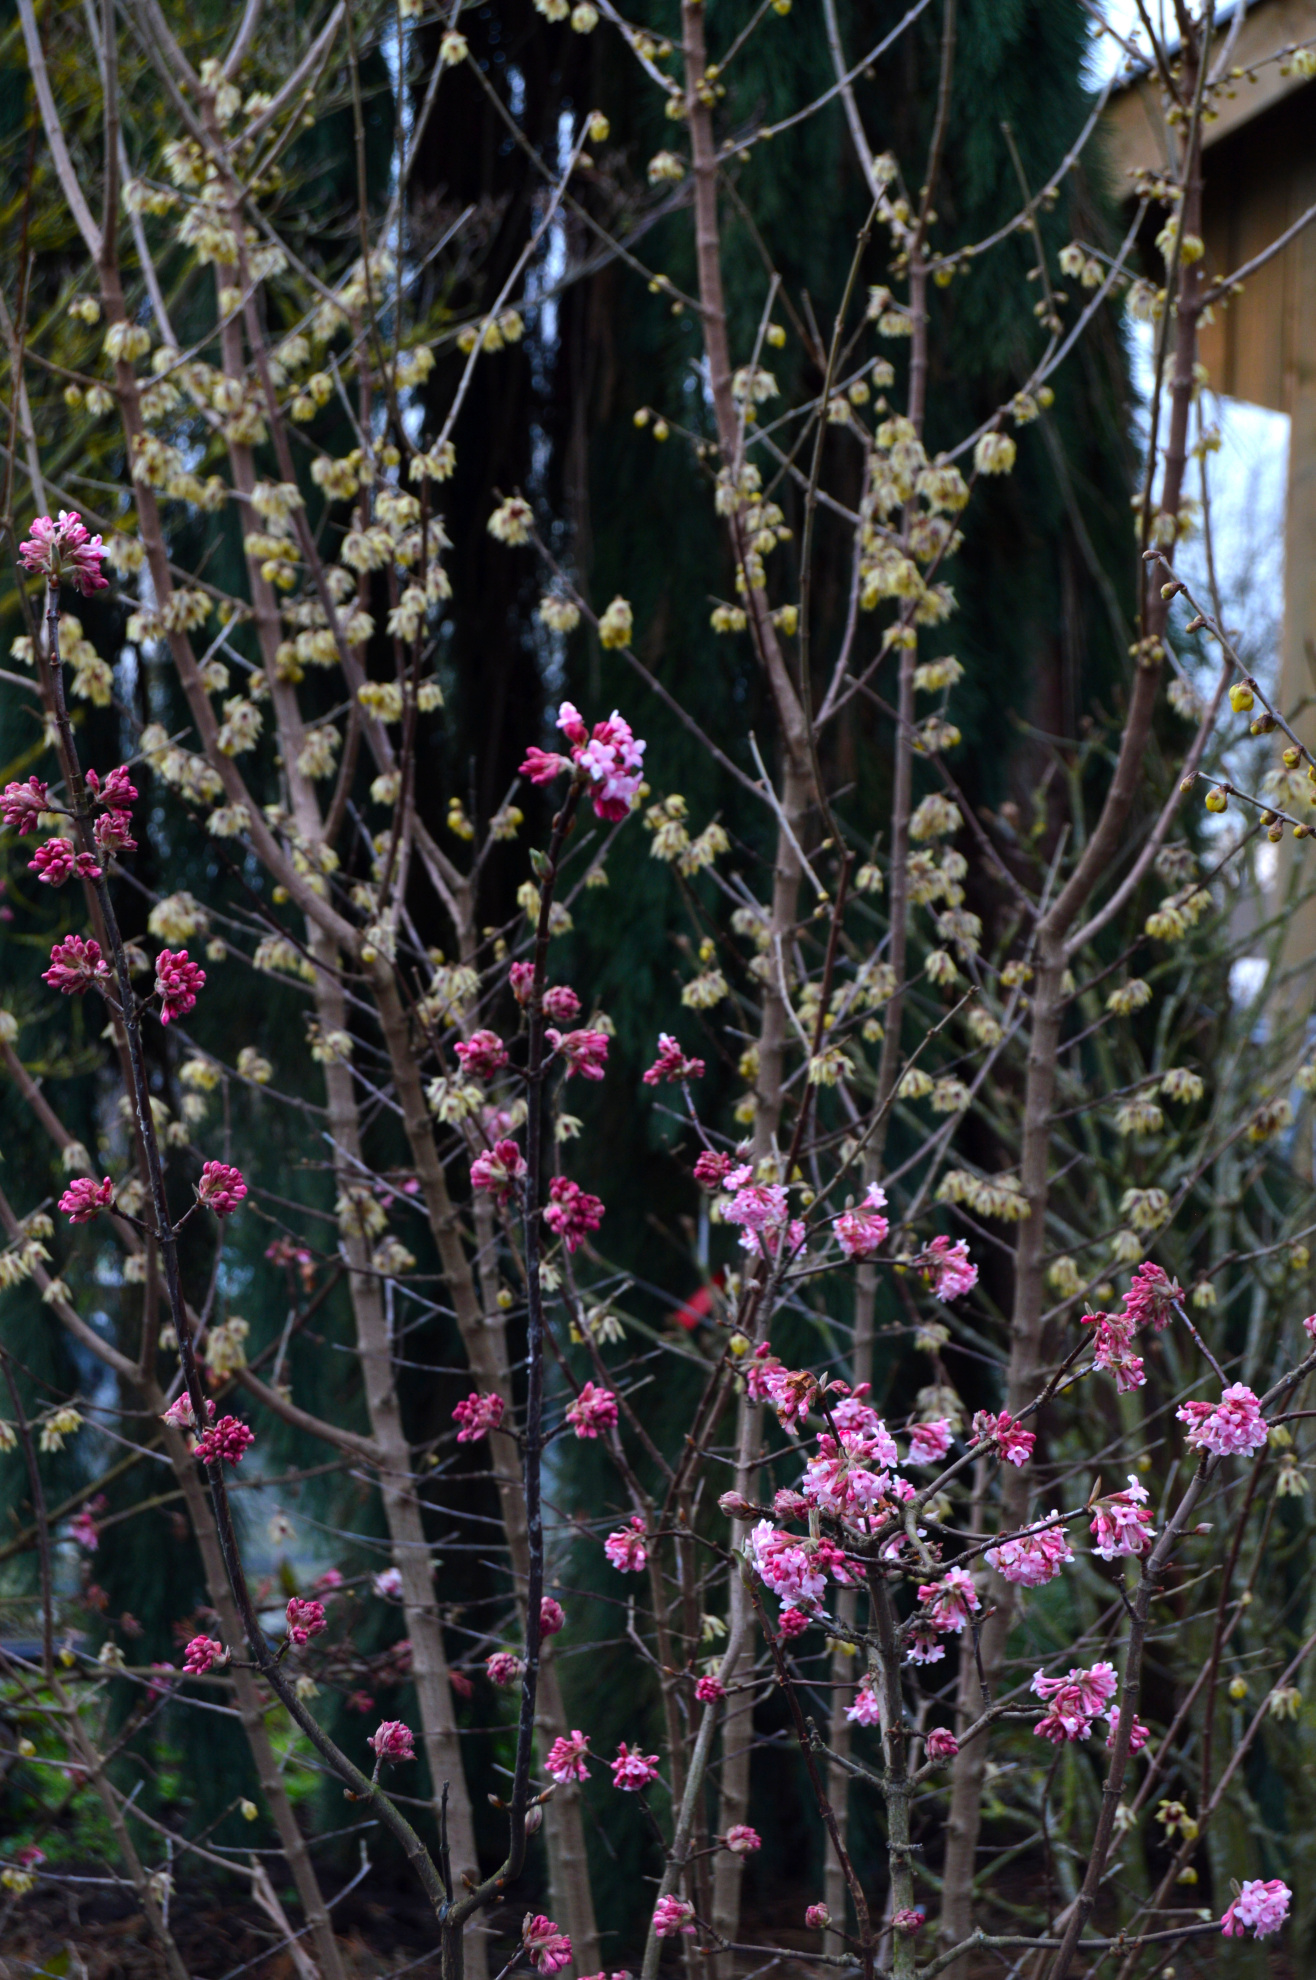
x=181 y=1414
x=221 y=1188
x=85 y=1199
x=548 y=1948
x=177 y=981
x=571 y=1212
x=947 y=1267
x=75 y=965
x=567 y=1757
x=202 y=1654
x=1122 y=1523
x=866 y=1711
x=1014 y=1443
x=585 y=1052
x=21 y=805
x=305 y=1619
x=612 y=759
x=951 y=1601
x=673 y=1915
x=478 y=1415
x=552 y=1616
x=849 y=1480
x=672 y=1064
x=226 y=1441
x=941 y=1744
x=633 y=1771
x=741 y=1840
x=709 y=1689
x=498 y=1170
x=929 y=1442
x=482 y=1055
x=791 y=1391
x=1138 y=1733
x=85 y=1531
x=393 y=1741
x=1112 y=1349
x=387 y=1584
x=593 y=1410
x=1263 y=1905
x=1032 y=1559
x=923 y=1646
x=504 y=1669
x=56 y=861
x=860 y=1231
x=1073 y=1702
x=1234 y=1424
x=626 y=1548
x=785 y=1566
x=64 y=552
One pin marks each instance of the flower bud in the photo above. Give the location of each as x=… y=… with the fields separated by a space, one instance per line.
x=1240 y=697
x=736 y=1506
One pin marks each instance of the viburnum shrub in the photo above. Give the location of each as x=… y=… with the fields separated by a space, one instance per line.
x=978 y=1474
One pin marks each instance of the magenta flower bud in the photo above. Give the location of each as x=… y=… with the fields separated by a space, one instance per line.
x=736 y=1506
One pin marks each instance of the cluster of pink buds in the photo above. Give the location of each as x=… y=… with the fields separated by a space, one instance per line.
x=1263 y=1905
x=227 y=1441
x=1073 y=1703
x=946 y=1267
x=392 y=1741
x=305 y=1619
x=941 y=1744
x=85 y=1199
x=552 y=1616
x=181 y=1414
x=584 y=1052
x=176 y=983
x=594 y=1409
x=567 y=1757
x=951 y=1601
x=203 y=1653
x=709 y=1690
x=633 y=1771
x=741 y=1840
x=1032 y=1559
x=1122 y=1522
x=56 y=861
x=546 y=1947
x=498 y=1170
x=860 y=1231
x=571 y=1212
x=672 y=1916
x=482 y=1055
x=477 y=1415
x=712 y=1169
x=64 y=552
x=611 y=761
x=817 y=1918
x=221 y=1188
x=929 y=1442
x=672 y=1065
x=21 y=805
x=75 y=965
x=504 y=1669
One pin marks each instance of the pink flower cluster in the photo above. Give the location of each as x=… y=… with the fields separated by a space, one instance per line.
x=552 y=1616
x=951 y=1601
x=673 y=1915
x=548 y=1949
x=1011 y=1439
x=64 y=552
x=946 y=1267
x=74 y=966
x=85 y=1199
x=585 y=1052
x=672 y=1065
x=21 y=805
x=709 y=1689
x=482 y=1055
x=504 y=1669
x=56 y=861
x=941 y=1744
x=305 y=1619
x=559 y=1001
x=816 y=1917
x=929 y=1442
x=865 y=1711
x=1262 y=1905
x=612 y=761
x=227 y=1441
x=786 y=1566
x=633 y=1771
x=176 y=982
x=1233 y=1425
x=498 y=1170
x=181 y=1414
x=626 y=1548
x=1149 y=1302
x=1122 y=1523
x=202 y=1654
x=221 y=1188
x=571 y=1212
x=1032 y=1559
x=1150 y=1299
x=762 y=1211
x=567 y=1757
x=478 y=1415
x=393 y=1741
x=860 y=1231
x=594 y=1409
x=741 y=1840
x=1073 y=1702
